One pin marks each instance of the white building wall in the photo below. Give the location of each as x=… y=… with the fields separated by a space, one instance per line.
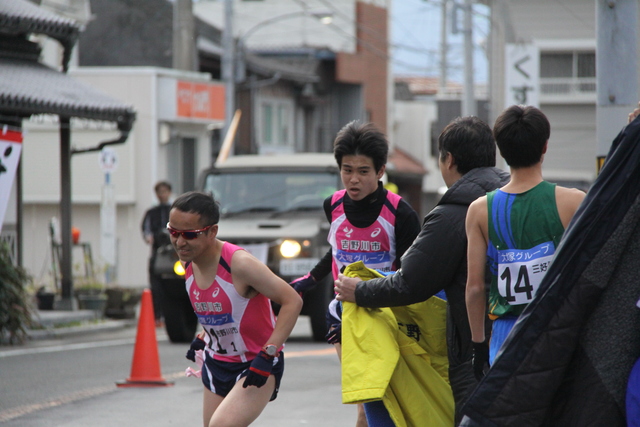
x=571 y=153
x=142 y=161
x=412 y=133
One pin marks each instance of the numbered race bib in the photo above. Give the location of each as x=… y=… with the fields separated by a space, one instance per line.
x=520 y=271
x=224 y=334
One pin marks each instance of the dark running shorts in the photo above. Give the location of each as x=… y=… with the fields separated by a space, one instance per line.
x=220 y=377
x=334 y=314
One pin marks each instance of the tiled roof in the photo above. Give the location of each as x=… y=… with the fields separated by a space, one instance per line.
x=28 y=87
x=302 y=70
x=420 y=85
x=404 y=163
x=22 y=16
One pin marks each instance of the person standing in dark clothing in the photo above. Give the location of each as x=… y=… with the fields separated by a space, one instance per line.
x=153 y=224
x=437 y=259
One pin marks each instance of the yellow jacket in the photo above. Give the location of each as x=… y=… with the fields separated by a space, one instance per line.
x=397 y=355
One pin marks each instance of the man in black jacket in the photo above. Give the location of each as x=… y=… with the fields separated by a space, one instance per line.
x=153 y=225
x=437 y=259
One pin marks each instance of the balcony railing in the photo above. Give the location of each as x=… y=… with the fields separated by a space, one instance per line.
x=568 y=89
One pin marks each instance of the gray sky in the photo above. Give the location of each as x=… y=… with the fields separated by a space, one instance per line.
x=415 y=34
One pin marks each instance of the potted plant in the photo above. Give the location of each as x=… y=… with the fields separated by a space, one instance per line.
x=45 y=298
x=121 y=302
x=90 y=294
x=15 y=302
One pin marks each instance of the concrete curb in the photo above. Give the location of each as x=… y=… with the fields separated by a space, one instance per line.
x=61 y=323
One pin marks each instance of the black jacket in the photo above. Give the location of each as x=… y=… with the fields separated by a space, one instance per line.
x=154 y=223
x=437 y=260
x=567 y=359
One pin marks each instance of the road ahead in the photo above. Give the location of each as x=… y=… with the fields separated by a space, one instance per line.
x=71 y=383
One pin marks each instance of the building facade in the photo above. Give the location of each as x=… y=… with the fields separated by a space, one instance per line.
x=294 y=98
x=561 y=38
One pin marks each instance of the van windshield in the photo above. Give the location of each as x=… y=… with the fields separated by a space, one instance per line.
x=270 y=191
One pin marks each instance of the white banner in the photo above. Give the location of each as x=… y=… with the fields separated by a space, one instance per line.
x=10 y=148
x=522 y=75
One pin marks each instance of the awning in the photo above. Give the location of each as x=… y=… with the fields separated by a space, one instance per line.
x=22 y=17
x=28 y=88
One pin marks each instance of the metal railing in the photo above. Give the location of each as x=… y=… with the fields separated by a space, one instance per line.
x=567 y=86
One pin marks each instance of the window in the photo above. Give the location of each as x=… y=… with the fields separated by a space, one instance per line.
x=276 y=126
x=267 y=124
x=182 y=165
x=568 y=73
x=267 y=191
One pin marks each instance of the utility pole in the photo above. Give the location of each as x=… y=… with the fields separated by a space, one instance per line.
x=184 y=43
x=468 y=102
x=443 y=47
x=228 y=56
x=616 y=68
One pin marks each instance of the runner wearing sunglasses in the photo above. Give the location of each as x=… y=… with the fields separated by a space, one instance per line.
x=230 y=292
x=187 y=234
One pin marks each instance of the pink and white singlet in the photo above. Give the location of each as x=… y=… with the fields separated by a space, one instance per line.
x=374 y=245
x=236 y=327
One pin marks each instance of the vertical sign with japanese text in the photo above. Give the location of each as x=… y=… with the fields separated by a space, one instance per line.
x=522 y=75
x=10 y=148
x=108 y=242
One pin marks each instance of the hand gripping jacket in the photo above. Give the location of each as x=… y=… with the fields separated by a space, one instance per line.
x=403 y=360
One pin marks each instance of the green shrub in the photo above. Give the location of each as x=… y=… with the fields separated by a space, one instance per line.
x=15 y=301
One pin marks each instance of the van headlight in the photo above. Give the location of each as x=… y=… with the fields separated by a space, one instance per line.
x=178 y=268
x=290 y=249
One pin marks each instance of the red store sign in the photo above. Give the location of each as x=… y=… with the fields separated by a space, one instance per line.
x=200 y=100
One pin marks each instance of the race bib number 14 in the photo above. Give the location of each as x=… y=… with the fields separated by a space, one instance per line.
x=520 y=272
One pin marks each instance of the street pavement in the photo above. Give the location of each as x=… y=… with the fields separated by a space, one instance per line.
x=309 y=396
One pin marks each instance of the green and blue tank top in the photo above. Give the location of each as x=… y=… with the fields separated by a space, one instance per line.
x=524 y=232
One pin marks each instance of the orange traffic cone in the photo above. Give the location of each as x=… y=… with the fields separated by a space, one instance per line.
x=145 y=369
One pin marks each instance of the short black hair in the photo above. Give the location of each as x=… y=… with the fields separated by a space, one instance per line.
x=161 y=184
x=521 y=133
x=200 y=203
x=356 y=138
x=470 y=142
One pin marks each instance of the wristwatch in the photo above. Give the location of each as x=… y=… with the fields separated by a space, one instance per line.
x=270 y=350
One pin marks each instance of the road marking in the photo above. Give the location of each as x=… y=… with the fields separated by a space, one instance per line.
x=66 y=347
x=323 y=352
x=10 y=414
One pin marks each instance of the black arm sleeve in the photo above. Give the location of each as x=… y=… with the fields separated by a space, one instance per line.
x=428 y=266
x=145 y=225
x=407 y=228
x=323 y=267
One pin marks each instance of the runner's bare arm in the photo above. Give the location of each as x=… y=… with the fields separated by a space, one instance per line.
x=568 y=200
x=475 y=295
x=250 y=272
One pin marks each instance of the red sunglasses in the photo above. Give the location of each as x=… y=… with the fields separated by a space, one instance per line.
x=187 y=234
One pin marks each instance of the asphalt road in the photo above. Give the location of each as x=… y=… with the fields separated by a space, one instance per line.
x=71 y=382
